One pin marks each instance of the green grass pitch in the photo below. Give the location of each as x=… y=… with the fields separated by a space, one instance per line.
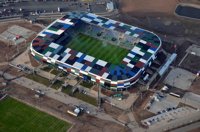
x=18 y=117
x=98 y=49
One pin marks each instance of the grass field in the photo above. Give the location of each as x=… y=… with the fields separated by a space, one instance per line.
x=57 y=84
x=19 y=117
x=98 y=49
x=87 y=84
x=38 y=79
x=81 y=96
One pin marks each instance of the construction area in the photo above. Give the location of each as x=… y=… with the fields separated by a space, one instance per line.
x=15 y=38
x=15 y=35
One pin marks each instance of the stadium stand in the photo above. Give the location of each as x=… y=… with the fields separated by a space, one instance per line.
x=52 y=45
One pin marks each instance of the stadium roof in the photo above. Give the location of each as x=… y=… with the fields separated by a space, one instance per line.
x=49 y=46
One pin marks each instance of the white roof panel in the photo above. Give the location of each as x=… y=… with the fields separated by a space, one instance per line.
x=126 y=60
x=55 y=57
x=100 y=24
x=142 y=41
x=121 y=24
x=130 y=65
x=54 y=32
x=65 y=58
x=150 y=51
x=54 y=45
x=60 y=31
x=140 y=53
x=108 y=22
x=133 y=28
x=112 y=27
x=101 y=63
x=48 y=54
x=112 y=21
x=127 y=83
x=78 y=65
x=135 y=35
x=105 y=75
x=142 y=60
x=92 y=15
x=98 y=20
x=79 y=54
x=88 y=68
x=42 y=35
x=127 y=32
x=131 y=55
x=89 y=58
x=66 y=21
x=136 y=49
x=67 y=50
x=86 y=19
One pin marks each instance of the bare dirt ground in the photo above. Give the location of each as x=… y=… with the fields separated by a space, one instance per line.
x=181 y=50
x=34 y=63
x=84 y=123
x=138 y=107
x=195 y=88
x=11 y=70
x=195 y=130
x=112 y=110
x=152 y=6
x=148 y=6
x=191 y=63
x=6 y=51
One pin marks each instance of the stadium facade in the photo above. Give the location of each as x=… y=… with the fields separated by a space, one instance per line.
x=51 y=46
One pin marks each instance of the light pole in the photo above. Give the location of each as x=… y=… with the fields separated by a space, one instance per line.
x=99 y=98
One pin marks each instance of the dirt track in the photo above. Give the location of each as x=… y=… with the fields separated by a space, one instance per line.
x=195 y=88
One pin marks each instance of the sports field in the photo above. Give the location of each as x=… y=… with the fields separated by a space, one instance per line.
x=98 y=49
x=18 y=117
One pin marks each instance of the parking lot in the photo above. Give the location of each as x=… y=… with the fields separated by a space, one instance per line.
x=169 y=116
x=164 y=104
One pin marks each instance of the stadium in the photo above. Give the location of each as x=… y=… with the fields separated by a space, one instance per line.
x=110 y=53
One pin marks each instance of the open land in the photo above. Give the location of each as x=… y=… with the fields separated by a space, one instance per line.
x=159 y=17
x=154 y=6
x=195 y=87
x=140 y=6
